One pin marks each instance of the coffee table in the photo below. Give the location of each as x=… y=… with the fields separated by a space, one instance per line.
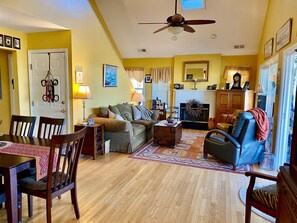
x=167 y=134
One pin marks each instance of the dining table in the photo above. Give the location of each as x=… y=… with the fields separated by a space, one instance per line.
x=11 y=164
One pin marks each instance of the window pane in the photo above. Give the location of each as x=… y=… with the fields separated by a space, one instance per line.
x=192 y=4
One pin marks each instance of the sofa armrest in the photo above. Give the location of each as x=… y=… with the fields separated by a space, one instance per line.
x=114 y=125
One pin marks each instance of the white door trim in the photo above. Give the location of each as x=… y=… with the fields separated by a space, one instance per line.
x=67 y=99
x=283 y=109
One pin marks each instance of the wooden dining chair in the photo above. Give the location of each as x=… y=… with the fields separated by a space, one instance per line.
x=50 y=126
x=22 y=125
x=61 y=175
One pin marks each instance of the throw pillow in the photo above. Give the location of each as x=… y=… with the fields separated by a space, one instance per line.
x=136 y=113
x=230 y=119
x=103 y=112
x=145 y=113
x=127 y=116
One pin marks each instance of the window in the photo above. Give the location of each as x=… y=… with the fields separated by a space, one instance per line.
x=193 y=4
x=138 y=86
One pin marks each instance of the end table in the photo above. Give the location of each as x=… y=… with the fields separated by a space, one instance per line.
x=94 y=139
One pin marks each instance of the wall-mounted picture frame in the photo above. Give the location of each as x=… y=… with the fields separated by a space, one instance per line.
x=16 y=43
x=1 y=40
x=8 y=41
x=283 y=35
x=148 y=78
x=78 y=77
x=110 y=75
x=268 y=48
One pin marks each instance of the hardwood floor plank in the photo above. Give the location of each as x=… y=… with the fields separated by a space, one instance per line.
x=114 y=188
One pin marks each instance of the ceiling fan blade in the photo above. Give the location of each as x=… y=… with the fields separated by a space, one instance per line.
x=199 y=22
x=165 y=27
x=188 y=28
x=141 y=23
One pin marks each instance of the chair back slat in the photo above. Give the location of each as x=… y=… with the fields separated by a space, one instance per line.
x=22 y=125
x=50 y=126
x=69 y=147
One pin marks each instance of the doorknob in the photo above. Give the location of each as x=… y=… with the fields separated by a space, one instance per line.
x=63 y=102
x=63 y=111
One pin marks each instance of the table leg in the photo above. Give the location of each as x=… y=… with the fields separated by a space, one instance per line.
x=11 y=204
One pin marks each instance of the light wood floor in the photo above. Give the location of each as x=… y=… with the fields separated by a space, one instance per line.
x=115 y=188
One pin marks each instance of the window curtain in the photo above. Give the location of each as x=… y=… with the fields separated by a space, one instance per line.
x=245 y=73
x=135 y=72
x=163 y=73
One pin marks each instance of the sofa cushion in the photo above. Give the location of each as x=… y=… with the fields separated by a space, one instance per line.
x=136 y=113
x=126 y=111
x=138 y=129
x=103 y=112
x=112 y=115
x=114 y=109
x=146 y=123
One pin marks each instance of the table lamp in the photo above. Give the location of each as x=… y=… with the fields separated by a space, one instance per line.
x=138 y=98
x=83 y=93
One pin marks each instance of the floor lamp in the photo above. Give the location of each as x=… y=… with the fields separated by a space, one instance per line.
x=83 y=93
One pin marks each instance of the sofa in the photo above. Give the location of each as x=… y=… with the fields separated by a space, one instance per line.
x=127 y=126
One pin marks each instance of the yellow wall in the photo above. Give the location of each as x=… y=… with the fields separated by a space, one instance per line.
x=5 y=100
x=90 y=49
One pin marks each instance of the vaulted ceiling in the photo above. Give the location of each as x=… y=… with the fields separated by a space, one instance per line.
x=238 y=22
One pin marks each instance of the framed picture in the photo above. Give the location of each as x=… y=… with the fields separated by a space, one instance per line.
x=16 y=43
x=283 y=35
x=1 y=40
x=8 y=41
x=148 y=78
x=110 y=75
x=268 y=49
x=78 y=77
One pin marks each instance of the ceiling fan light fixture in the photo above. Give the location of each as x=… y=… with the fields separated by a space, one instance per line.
x=175 y=29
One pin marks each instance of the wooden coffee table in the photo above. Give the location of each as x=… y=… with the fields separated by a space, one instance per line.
x=167 y=135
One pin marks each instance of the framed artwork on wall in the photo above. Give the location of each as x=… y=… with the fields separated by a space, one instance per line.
x=16 y=43
x=148 y=78
x=268 y=49
x=283 y=35
x=110 y=75
x=78 y=77
x=8 y=41
x=1 y=40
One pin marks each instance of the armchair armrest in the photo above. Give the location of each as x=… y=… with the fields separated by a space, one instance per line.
x=225 y=135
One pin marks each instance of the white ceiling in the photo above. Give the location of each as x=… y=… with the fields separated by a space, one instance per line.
x=23 y=22
x=237 y=22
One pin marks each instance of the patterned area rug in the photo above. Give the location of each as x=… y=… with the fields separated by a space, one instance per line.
x=188 y=152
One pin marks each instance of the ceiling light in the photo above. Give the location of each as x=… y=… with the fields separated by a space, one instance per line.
x=213 y=36
x=175 y=29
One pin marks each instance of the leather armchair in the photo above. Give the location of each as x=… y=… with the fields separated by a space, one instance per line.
x=238 y=148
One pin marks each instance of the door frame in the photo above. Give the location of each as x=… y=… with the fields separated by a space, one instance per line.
x=283 y=108
x=67 y=98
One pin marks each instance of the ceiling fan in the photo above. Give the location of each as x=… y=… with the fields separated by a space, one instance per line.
x=177 y=20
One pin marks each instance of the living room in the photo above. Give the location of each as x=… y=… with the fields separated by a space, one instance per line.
x=89 y=45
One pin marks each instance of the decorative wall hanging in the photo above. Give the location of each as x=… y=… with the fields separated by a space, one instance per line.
x=283 y=35
x=109 y=75
x=148 y=78
x=1 y=40
x=16 y=43
x=49 y=82
x=79 y=77
x=8 y=41
x=268 y=49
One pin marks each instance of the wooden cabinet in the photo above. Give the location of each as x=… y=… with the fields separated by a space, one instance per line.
x=287 y=197
x=94 y=139
x=227 y=101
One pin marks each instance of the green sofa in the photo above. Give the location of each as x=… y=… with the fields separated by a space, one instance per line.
x=126 y=126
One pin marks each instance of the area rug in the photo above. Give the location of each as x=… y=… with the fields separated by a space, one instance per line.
x=188 y=152
x=242 y=197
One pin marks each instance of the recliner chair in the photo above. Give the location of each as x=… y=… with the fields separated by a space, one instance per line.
x=238 y=148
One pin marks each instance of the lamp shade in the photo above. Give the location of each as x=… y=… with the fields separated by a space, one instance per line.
x=175 y=29
x=83 y=92
x=138 y=97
